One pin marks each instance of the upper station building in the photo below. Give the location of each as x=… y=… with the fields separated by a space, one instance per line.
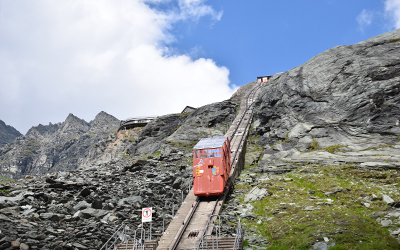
x=188 y=109
x=263 y=78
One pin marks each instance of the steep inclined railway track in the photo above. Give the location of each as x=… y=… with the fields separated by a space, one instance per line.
x=191 y=222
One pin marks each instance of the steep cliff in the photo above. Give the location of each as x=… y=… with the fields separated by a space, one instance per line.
x=7 y=133
x=348 y=95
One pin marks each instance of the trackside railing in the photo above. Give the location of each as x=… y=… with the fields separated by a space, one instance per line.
x=129 y=239
x=208 y=240
x=239 y=237
x=118 y=236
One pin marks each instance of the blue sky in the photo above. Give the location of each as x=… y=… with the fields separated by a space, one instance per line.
x=255 y=38
x=153 y=57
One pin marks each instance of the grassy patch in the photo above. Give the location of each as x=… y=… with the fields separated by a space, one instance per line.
x=313 y=145
x=4 y=180
x=127 y=156
x=375 y=148
x=332 y=149
x=324 y=201
x=72 y=137
x=29 y=149
x=393 y=40
x=183 y=144
x=185 y=114
x=4 y=191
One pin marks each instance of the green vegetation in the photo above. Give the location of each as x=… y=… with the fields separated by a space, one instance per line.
x=183 y=144
x=4 y=180
x=155 y=155
x=393 y=40
x=6 y=172
x=287 y=138
x=375 y=148
x=146 y=156
x=313 y=146
x=185 y=114
x=72 y=137
x=324 y=201
x=254 y=139
x=332 y=149
x=127 y=156
x=29 y=149
x=5 y=191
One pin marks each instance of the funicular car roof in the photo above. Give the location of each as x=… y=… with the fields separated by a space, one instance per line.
x=214 y=142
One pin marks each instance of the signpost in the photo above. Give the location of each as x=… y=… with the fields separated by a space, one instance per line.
x=147 y=216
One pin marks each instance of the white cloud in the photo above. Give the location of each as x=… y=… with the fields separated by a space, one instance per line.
x=197 y=9
x=364 y=19
x=81 y=57
x=392 y=8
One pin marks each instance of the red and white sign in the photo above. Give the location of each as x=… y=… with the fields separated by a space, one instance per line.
x=147 y=214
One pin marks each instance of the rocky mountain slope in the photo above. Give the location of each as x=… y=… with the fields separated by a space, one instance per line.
x=81 y=209
x=321 y=164
x=57 y=147
x=7 y=133
x=322 y=167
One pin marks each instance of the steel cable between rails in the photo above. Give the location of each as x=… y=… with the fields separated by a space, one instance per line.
x=208 y=224
x=252 y=93
x=186 y=224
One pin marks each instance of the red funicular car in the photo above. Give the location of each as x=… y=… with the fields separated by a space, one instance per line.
x=211 y=166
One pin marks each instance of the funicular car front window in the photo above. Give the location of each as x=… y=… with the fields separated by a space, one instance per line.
x=207 y=153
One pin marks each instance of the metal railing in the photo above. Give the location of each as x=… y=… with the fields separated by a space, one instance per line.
x=123 y=237
x=239 y=237
x=204 y=242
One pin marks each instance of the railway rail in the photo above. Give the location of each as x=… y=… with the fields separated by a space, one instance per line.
x=194 y=222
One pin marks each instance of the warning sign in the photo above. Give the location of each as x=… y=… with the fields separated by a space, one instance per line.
x=147 y=214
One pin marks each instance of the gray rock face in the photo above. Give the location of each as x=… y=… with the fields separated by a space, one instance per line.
x=255 y=194
x=343 y=92
x=150 y=138
x=57 y=147
x=207 y=121
x=7 y=134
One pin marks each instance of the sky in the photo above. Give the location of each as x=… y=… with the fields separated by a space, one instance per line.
x=134 y=58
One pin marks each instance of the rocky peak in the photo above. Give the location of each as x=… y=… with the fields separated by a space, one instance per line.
x=104 y=121
x=74 y=125
x=7 y=133
x=43 y=129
